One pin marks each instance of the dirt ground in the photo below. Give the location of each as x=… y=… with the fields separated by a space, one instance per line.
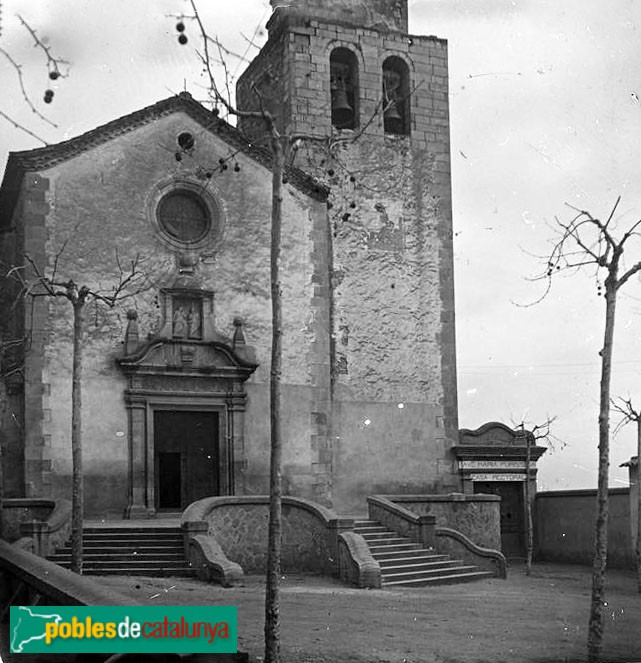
x=536 y=619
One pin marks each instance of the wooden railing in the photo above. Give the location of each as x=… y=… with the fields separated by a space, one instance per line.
x=26 y=579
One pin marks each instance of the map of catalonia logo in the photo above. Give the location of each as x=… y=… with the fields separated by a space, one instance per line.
x=123 y=629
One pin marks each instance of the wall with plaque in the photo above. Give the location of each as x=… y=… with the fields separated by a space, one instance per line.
x=494 y=459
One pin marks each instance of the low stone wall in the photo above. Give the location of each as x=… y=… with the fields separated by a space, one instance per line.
x=39 y=524
x=564 y=527
x=451 y=542
x=239 y=526
x=478 y=517
x=16 y=511
x=356 y=564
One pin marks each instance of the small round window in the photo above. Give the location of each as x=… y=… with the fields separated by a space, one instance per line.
x=184 y=216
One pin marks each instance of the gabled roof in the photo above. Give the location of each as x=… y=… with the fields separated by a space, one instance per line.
x=20 y=163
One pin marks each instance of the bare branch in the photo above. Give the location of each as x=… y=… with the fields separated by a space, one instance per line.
x=626 y=409
x=631 y=272
x=53 y=63
x=25 y=96
x=57 y=259
x=19 y=126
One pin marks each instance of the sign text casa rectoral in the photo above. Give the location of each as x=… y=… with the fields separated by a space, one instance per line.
x=498 y=477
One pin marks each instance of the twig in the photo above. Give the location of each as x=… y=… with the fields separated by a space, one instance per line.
x=17 y=125
x=53 y=63
x=26 y=97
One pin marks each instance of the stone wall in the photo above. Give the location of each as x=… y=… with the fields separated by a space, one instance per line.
x=564 y=527
x=98 y=205
x=242 y=533
x=239 y=525
x=18 y=511
x=394 y=405
x=476 y=516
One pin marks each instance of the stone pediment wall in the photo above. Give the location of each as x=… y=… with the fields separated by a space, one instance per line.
x=199 y=357
x=493 y=434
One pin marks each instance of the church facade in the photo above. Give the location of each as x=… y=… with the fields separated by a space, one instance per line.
x=176 y=377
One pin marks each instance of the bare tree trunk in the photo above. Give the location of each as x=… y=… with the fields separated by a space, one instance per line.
x=1 y=496
x=77 y=490
x=596 y=622
x=528 y=507
x=3 y=408
x=637 y=547
x=272 y=599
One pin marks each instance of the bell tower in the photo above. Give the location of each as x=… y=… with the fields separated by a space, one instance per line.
x=370 y=103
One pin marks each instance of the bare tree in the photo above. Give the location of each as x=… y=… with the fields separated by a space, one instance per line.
x=630 y=414
x=35 y=283
x=587 y=242
x=283 y=147
x=279 y=145
x=533 y=434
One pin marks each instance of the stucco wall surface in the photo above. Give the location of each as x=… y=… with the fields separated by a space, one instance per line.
x=478 y=518
x=98 y=213
x=392 y=294
x=391 y=208
x=382 y=448
x=564 y=527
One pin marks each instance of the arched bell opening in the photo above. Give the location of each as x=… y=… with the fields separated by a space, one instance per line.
x=343 y=68
x=396 y=97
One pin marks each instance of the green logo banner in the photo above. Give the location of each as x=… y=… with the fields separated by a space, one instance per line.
x=123 y=629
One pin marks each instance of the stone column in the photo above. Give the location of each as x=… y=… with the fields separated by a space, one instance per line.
x=236 y=441
x=138 y=506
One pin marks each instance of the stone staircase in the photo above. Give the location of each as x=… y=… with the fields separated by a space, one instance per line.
x=126 y=550
x=406 y=563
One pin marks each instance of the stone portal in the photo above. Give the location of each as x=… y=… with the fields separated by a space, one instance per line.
x=185 y=402
x=497 y=460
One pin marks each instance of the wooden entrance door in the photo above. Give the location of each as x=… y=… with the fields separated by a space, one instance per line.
x=512 y=513
x=187 y=459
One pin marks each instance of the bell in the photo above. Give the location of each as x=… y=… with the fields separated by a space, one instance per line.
x=392 y=120
x=342 y=112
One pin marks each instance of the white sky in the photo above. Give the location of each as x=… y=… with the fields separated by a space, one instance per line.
x=543 y=112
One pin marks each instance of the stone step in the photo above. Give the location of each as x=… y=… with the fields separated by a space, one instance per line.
x=157 y=557
x=418 y=574
x=419 y=564
x=370 y=529
x=439 y=580
x=125 y=550
x=390 y=541
x=410 y=557
x=377 y=536
x=142 y=563
x=132 y=541
x=114 y=550
x=406 y=563
x=134 y=533
x=391 y=549
x=151 y=571
x=132 y=530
